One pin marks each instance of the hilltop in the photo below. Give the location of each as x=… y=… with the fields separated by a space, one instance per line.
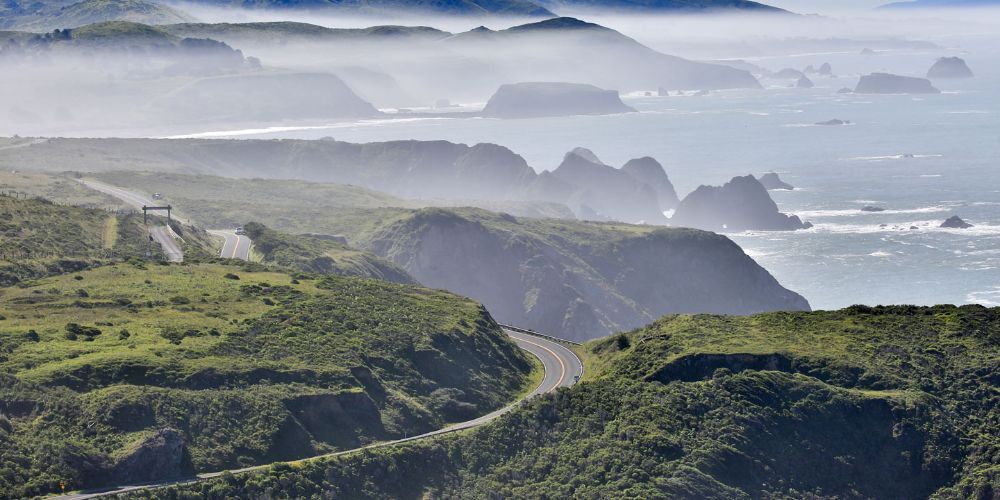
x=205 y=366
x=40 y=238
x=784 y=405
x=49 y=15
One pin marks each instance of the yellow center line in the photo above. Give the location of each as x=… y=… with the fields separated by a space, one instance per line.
x=562 y=366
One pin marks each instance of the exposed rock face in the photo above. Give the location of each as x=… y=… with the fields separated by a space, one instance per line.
x=805 y=83
x=834 y=122
x=160 y=456
x=595 y=191
x=870 y=208
x=263 y=97
x=885 y=83
x=530 y=100
x=826 y=69
x=955 y=222
x=581 y=283
x=650 y=171
x=771 y=181
x=949 y=67
x=845 y=90
x=741 y=204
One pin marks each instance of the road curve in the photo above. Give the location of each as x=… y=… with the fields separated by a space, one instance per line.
x=562 y=369
x=236 y=246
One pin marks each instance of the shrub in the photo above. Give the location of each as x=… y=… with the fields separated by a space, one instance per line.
x=231 y=276
x=31 y=336
x=180 y=300
x=74 y=330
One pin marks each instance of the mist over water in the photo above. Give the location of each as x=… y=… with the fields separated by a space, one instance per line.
x=923 y=158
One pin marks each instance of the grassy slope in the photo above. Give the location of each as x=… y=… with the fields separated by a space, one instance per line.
x=317 y=255
x=39 y=238
x=896 y=402
x=248 y=370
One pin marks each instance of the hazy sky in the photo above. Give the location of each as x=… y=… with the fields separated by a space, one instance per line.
x=820 y=6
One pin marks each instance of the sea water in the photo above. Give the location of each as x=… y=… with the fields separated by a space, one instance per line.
x=921 y=157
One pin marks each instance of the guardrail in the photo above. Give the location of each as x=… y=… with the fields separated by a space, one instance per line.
x=536 y=334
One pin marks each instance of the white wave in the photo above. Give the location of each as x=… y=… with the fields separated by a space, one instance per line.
x=297 y=128
x=881 y=253
x=930 y=176
x=853 y=212
x=970 y=112
x=922 y=227
x=903 y=156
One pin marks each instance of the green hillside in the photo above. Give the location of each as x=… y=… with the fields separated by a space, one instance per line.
x=128 y=373
x=39 y=238
x=322 y=255
x=887 y=402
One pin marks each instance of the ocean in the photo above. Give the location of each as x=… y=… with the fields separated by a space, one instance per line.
x=922 y=158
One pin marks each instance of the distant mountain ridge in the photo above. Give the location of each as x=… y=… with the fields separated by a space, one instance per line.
x=52 y=14
x=661 y=5
x=941 y=4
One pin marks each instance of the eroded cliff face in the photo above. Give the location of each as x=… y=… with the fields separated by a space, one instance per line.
x=579 y=280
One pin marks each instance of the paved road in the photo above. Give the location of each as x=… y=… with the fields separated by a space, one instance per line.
x=161 y=234
x=236 y=246
x=168 y=242
x=132 y=198
x=562 y=369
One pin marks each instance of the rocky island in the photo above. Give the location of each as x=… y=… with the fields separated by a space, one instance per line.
x=771 y=181
x=949 y=68
x=885 y=83
x=541 y=99
x=955 y=222
x=742 y=204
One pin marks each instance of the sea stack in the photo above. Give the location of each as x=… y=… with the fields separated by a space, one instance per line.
x=742 y=204
x=885 y=83
x=541 y=99
x=771 y=181
x=949 y=68
x=955 y=222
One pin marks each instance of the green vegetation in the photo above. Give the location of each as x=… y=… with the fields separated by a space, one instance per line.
x=322 y=255
x=886 y=402
x=239 y=364
x=39 y=238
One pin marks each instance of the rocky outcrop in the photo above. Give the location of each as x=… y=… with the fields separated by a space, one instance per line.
x=540 y=99
x=804 y=83
x=955 y=222
x=741 y=204
x=771 y=181
x=595 y=191
x=870 y=208
x=885 y=83
x=582 y=280
x=949 y=68
x=650 y=172
x=826 y=69
x=834 y=122
x=163 y=455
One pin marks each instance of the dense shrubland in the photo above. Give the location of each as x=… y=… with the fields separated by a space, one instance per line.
x=886 y=402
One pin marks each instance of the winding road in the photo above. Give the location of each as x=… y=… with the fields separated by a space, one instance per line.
x=562 y=369
x=235 y=246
